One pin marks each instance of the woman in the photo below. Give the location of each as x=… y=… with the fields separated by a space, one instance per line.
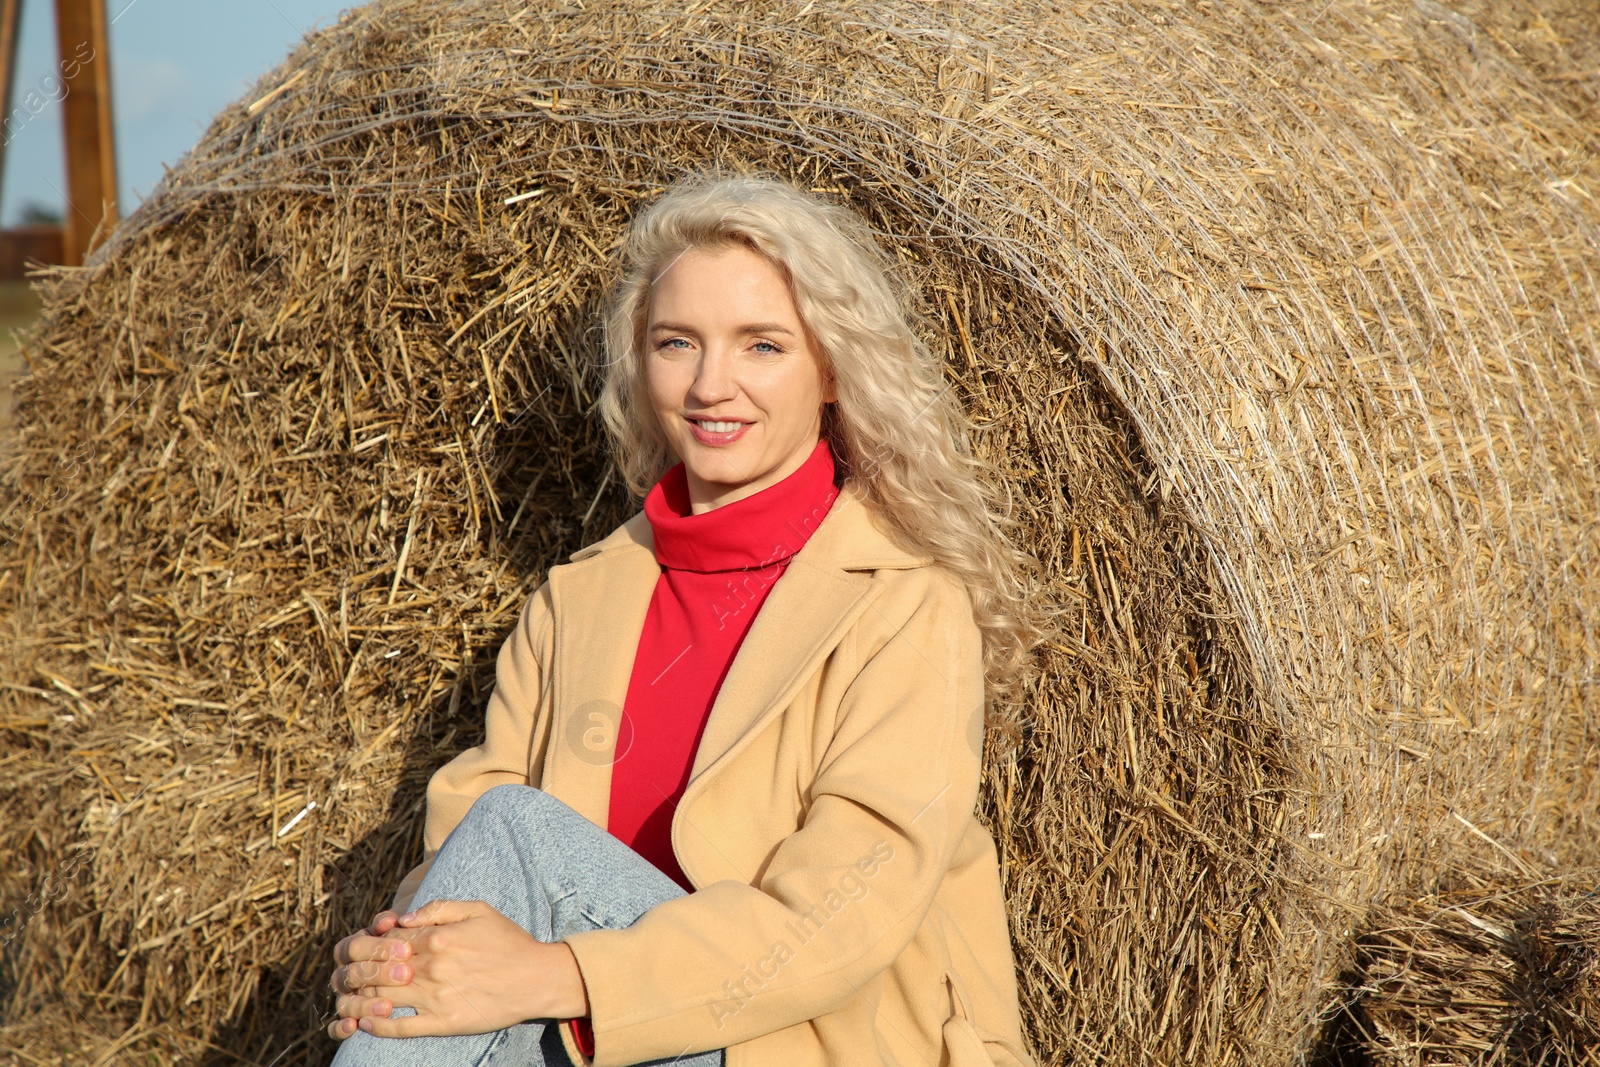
x=793 y=873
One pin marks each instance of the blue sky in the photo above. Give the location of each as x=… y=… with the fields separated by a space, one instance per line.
x=174 y=64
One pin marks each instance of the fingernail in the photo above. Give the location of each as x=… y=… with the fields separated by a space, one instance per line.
x=397 y=973
x=409 y=916
x=366 y=1024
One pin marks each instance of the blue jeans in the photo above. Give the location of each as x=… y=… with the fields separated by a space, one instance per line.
x=552 y=872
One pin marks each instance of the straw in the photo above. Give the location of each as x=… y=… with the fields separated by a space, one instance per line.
x=1281 y=320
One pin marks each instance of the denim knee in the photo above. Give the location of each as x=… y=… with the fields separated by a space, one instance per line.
x=520 y=805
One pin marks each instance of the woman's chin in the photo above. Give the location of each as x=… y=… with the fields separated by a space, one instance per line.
x=728 y=463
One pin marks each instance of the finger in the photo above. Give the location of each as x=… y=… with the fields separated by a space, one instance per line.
x=364 y=948
x=394 y=974
x=408 y=937
x=383 y=922
x=439 y=912
x=374 y=972
x=352 y=978
x=408 y=944
x=354 y=1006
x=359 y=946
x=340 y=1029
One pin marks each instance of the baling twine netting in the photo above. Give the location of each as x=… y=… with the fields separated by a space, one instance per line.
x=1279 y=321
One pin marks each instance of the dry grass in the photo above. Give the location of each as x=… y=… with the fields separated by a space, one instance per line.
x=1479 y=970
x=1283 y=320
x=19 y=308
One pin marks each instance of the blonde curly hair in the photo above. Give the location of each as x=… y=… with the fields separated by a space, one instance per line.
x=896 y=431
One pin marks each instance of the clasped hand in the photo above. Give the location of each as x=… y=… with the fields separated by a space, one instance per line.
x=464 y=967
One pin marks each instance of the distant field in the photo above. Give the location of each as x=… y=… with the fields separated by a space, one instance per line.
x=18 y=308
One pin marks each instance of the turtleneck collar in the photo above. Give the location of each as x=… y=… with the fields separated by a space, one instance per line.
x=755 y=531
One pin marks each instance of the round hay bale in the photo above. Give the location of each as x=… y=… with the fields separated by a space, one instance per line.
x=1486 y=968
x=1554 y=40
x=1281 y=325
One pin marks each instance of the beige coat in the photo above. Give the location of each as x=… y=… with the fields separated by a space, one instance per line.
x=848 y=907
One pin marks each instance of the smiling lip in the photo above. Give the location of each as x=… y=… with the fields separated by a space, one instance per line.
x=706 y=437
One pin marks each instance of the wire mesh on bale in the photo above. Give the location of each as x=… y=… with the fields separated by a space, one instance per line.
x=1280 y=325
x=1554 y=41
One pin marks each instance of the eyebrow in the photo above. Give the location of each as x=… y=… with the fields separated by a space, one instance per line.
x=750 y=328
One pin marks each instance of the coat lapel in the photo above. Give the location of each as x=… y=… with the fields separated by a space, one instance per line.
x=802 y=619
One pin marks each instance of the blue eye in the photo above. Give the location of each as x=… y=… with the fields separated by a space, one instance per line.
x=671 y=342
x=767 y=348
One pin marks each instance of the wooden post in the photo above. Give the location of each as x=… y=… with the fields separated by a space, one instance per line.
x=10 y=21
x=85 y=52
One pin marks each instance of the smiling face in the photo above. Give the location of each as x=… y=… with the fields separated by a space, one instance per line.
x=734 y=378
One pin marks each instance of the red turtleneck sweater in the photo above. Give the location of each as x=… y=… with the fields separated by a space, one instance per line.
x=716 y=570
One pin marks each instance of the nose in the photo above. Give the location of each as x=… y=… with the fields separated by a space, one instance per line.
x=714 y=380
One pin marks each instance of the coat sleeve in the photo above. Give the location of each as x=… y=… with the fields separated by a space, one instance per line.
x=513 y=743
x=844 y=894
